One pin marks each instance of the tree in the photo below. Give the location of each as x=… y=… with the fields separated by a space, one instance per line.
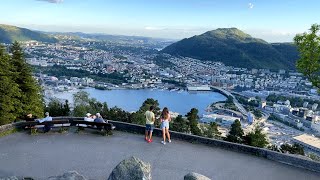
x=193 y=119
x=179 y=124
x=212 y=131
x=257 y=113
x=256 y=138
x=10 y=93
x=56 y=108
x=236 y=132
x=292 y=149
x=31 y=99
x=139 y=118
x=84 y=104
x=309 y=47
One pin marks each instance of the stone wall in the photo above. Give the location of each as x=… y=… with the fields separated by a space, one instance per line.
x=7 y=127
x=289 y=159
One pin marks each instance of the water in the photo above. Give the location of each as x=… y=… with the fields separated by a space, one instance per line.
x=131 y=100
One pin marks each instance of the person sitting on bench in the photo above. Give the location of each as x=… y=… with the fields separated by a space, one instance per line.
x=99 y=119
x=47 y=127
x=30 y=118
x=88 y=118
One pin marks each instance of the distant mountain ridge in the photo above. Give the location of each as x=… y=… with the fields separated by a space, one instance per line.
x=8 y=34
x=236 y=48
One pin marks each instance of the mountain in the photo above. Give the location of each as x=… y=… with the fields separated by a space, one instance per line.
x=8 y=34
x=236 y=48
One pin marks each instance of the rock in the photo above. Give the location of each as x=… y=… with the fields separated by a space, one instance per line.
x=9 y=178
x=131 y=169
x=72 y=175
x=195 y=176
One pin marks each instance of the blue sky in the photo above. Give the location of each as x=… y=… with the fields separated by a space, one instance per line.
x=271 y=20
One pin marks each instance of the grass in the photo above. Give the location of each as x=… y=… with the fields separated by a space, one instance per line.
x=8 y=132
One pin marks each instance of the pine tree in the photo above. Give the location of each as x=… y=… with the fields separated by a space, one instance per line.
x=193 y=118
x=9 y=91
x=236 y=132
x=31 y=98
x=256 y=138
x=179 y=124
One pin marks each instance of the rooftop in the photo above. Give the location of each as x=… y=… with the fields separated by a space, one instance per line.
x=95 y=157
x=309 y=140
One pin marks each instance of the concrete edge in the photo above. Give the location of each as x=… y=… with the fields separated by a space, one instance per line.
x=289 y=159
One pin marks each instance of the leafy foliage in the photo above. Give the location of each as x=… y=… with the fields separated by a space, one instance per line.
x=31 y=98
x=139 y=117
x=84 y=104
x=235 y=48
x=236 y=133
x=256 y=138
x=193 y=119
x=179 y=124
x=212 y=131
x=56 y=108
x=309 y=47
x=19 y=91
x=292 y=149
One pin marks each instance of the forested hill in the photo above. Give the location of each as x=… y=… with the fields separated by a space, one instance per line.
x=236 y=48
x=9 y=34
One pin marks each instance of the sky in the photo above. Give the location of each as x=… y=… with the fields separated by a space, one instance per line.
x=271 y=20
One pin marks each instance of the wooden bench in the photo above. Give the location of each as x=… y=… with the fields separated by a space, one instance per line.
x=104 y=128
x=34 y=125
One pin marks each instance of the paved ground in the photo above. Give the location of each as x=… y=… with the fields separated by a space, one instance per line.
x=95 y=156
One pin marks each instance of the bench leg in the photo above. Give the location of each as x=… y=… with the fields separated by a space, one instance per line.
x=62 y=129
x=33 y=131
x=80 y=129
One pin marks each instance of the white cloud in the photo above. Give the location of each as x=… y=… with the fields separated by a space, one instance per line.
x=52 y=1
x=151 y=28
x=250 y=5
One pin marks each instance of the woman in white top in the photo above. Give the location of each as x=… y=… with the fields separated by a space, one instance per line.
x=165 y=119
x=88 y=118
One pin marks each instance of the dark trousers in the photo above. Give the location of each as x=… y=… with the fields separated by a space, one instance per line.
x=47 y=128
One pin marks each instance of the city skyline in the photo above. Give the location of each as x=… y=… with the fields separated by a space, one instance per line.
x=273 y=21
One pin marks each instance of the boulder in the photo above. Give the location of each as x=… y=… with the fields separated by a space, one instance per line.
x=72 y=175
x=195 y=176
x=9 y=178
x=131 y=169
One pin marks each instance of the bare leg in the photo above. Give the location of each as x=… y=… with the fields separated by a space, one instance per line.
x=168 y=134
x=150 y=135
x=164 y=134
x=146 y=135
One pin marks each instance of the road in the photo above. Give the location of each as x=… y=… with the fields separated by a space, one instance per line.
x=235 y=101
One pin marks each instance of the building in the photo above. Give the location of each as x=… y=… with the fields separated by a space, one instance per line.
x=220 y=119
x=308 y=141
x=199 y=88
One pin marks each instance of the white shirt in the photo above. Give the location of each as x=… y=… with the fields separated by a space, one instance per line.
x=88 y=119
x=48 y=118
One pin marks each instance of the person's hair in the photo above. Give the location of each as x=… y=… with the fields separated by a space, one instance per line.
x=165 y=113
x=151 y=108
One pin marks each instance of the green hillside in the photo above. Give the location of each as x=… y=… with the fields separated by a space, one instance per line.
x=9 y=34
x=235 y=48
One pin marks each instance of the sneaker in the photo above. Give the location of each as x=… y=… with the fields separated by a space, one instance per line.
x=163 y=142
x=149 y=140
x=169 y=141
x=146 y=139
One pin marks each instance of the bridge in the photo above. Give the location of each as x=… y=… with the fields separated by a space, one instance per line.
x=235 y=101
